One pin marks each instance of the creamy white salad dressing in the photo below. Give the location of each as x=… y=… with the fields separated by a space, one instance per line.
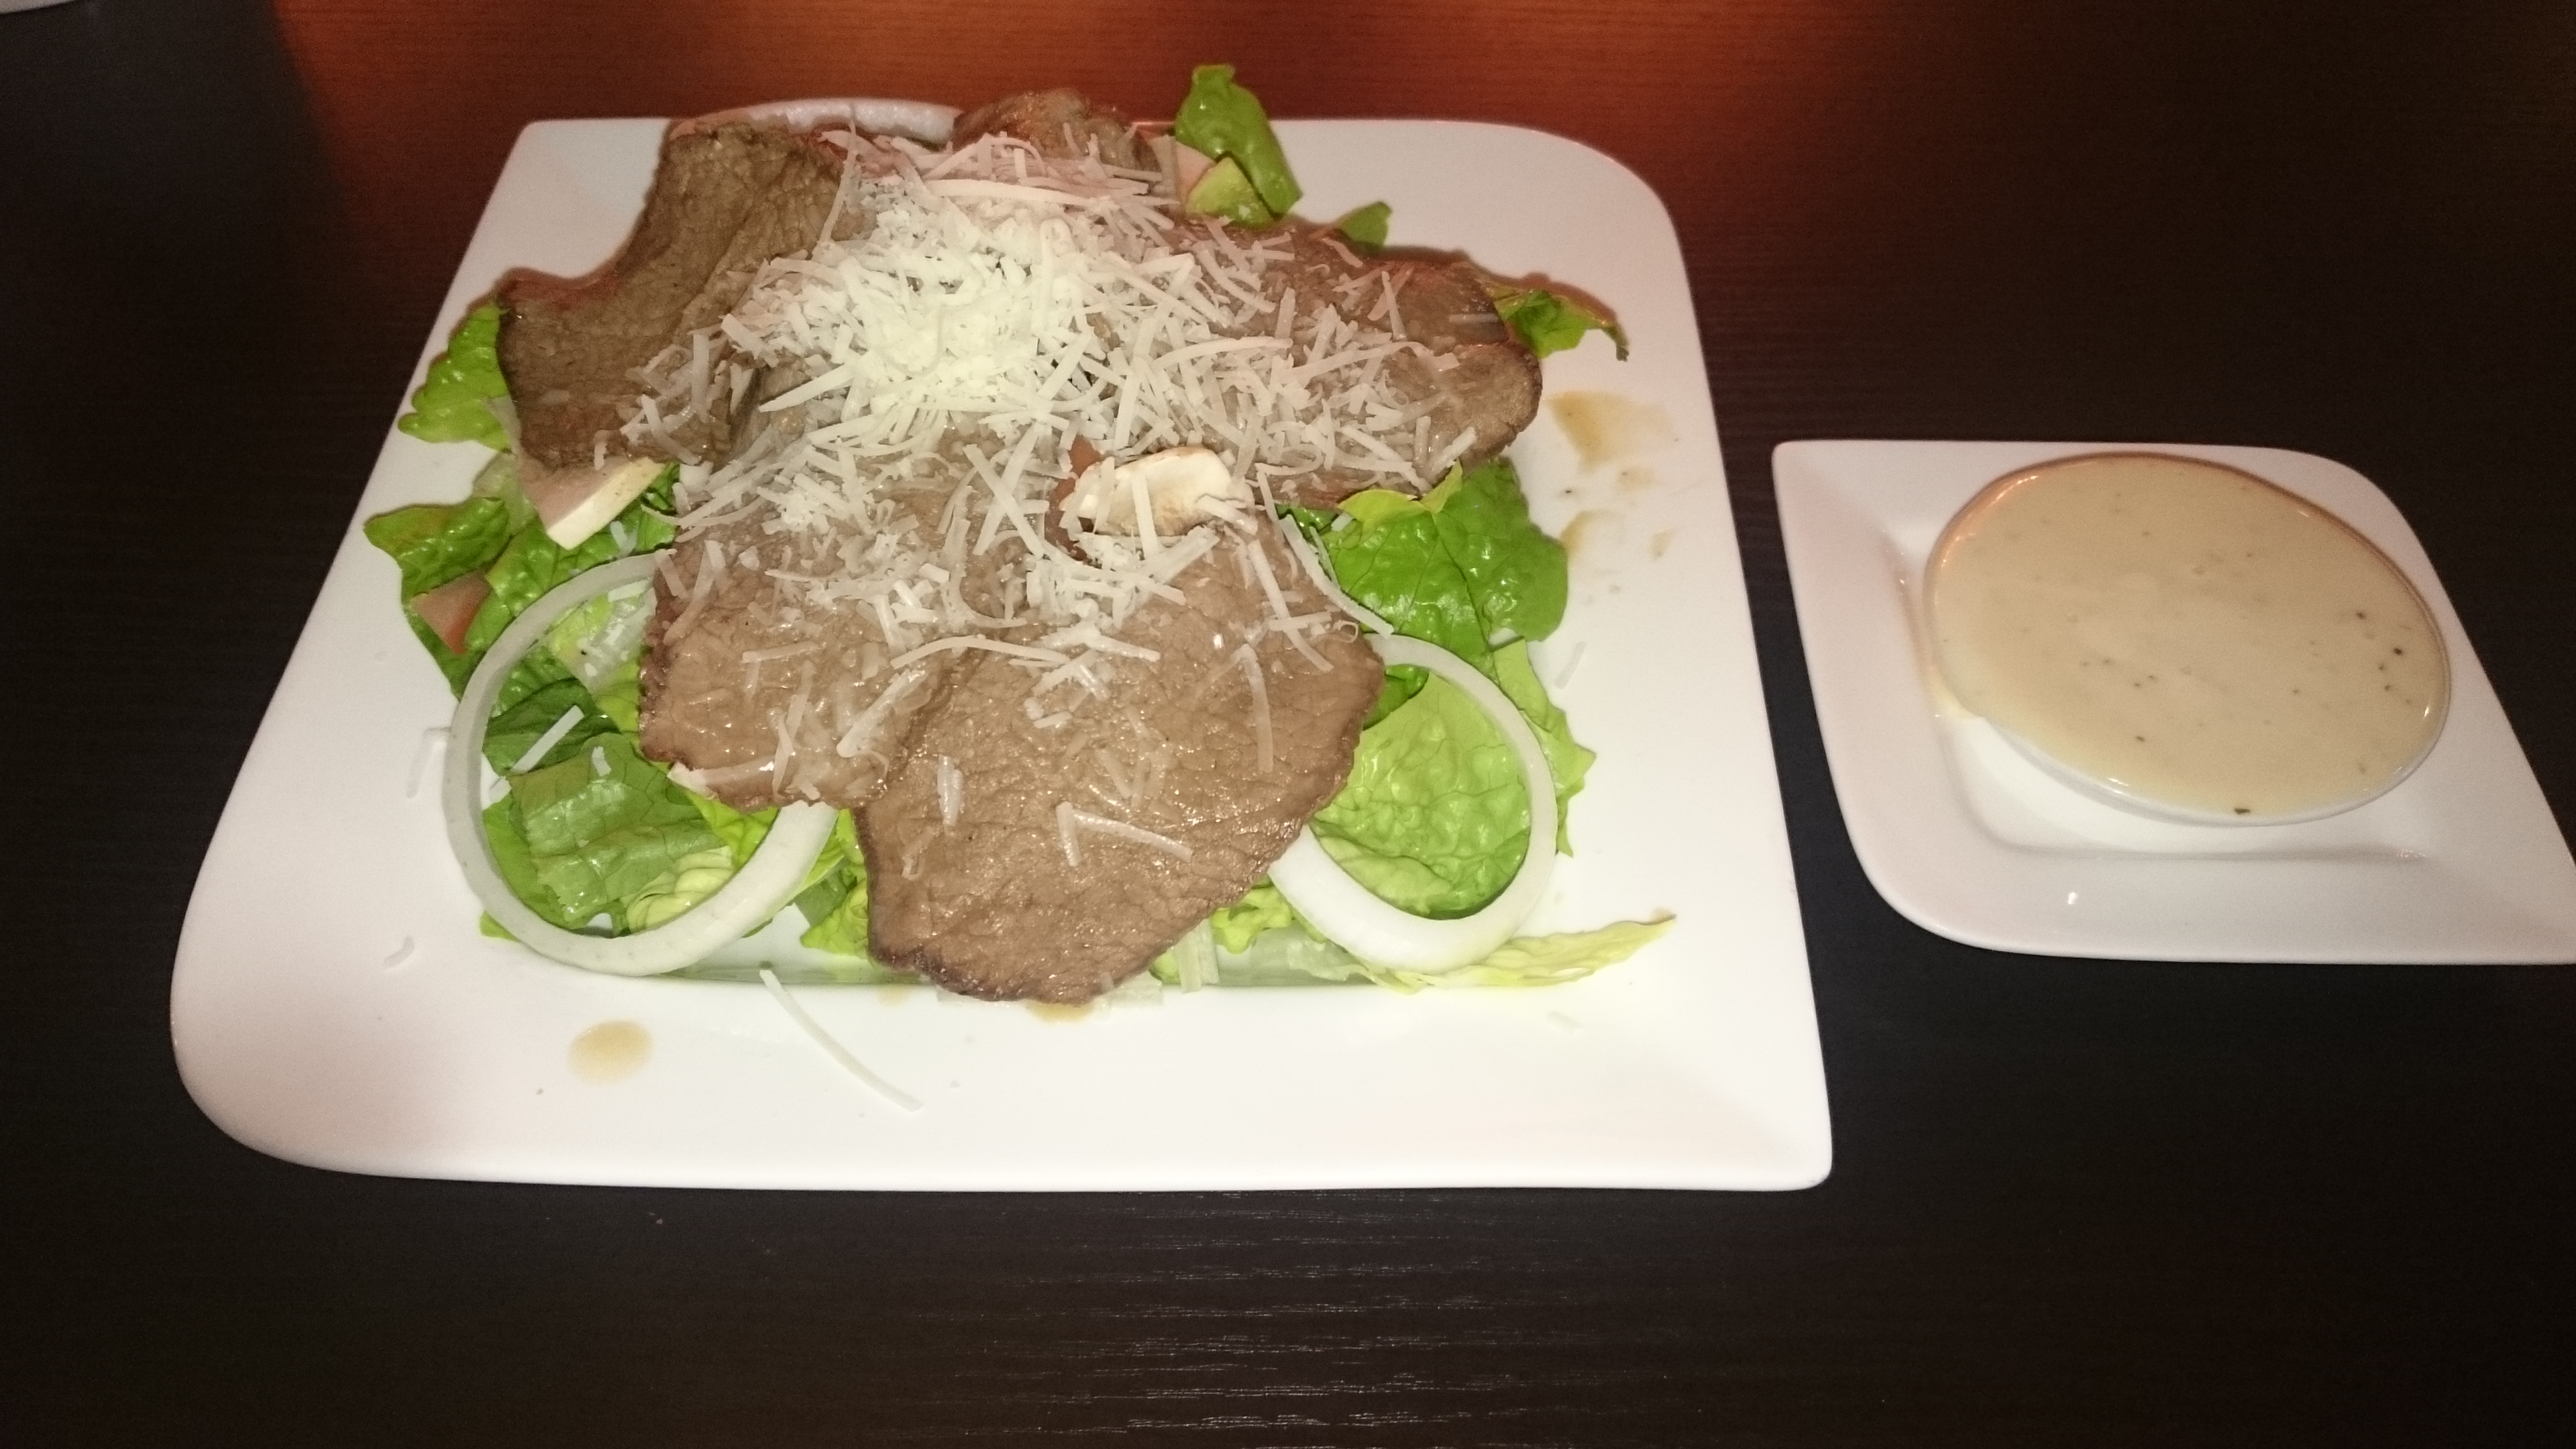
x=2187 y=634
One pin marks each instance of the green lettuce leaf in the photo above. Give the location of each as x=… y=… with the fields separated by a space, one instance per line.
x=740 y=830
x=1262 y=908
x=519 y=870
x=1461 y=566
x=1549 y=323
x=1225 y=121
x=499 y=481
x=682 y=888
x=1403 y=682
x=692 y=879
x=601 y=643
x=1434 y=819
x=1392 y=558
x=1366 y=226
x=449 y=406
x=1516 y=573
x=542 y=697
x=434 y=543
x=598 y=840
x=836 y=907
x=840 y=855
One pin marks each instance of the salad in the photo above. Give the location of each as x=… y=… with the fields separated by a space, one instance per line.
x=544 y=601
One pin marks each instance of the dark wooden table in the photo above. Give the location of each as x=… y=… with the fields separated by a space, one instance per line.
x=2073 y=1202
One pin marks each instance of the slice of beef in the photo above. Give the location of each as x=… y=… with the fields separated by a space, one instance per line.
x=1480 y=376
x=1058 y=123
x=989 y=905
x=759 y=689
x=725 y=199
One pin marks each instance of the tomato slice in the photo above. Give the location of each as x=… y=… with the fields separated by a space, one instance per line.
x=449 y=609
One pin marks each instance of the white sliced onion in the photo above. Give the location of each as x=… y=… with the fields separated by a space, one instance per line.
x=1382 y=935
x=765 y=883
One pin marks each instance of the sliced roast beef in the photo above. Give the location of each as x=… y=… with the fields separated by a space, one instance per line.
x=1479 y=378
x=969 y=877
x=767 y=695
x=1058 y=123
x=726 y=199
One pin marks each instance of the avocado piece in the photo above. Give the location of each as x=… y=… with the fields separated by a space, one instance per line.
x=1225 y=191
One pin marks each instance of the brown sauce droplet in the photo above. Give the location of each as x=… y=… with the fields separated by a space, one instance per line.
x=610 y=1052
x=1606 y=427
x=1588 y=532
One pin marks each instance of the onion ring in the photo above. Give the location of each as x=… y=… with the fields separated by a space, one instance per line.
x=766 y=882
x=1383 y=935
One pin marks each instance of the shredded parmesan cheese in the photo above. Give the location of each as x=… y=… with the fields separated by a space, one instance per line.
x=1261 y=740
x=952 y=792
x=864 y=728
x=711 y=562
x=1069 y=821
x=552 y=737
x=978 y=641
x=1065 y=837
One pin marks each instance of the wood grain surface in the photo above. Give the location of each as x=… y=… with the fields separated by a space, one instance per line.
x=2073 y=1202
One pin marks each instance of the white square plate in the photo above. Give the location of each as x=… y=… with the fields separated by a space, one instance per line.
x=1964 y=835
x=333 y=1004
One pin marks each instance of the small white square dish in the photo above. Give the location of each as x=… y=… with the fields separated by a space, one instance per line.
x=1966 y=836
x=333 y=1003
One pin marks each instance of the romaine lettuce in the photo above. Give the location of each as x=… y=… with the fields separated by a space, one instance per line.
x=835 y=872
x=1462 y=566
x=435 y=542
x=518 y=871
x=599 y=837
x=1549 y=323
x=533 y=701
x=1391 y=557
x=1537 y=960
x=680 y=889
x=1262 y=908
x=1515 y=572
x=836 y=906
x=599 y=643
x=1434 y=819
x=450 y=404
